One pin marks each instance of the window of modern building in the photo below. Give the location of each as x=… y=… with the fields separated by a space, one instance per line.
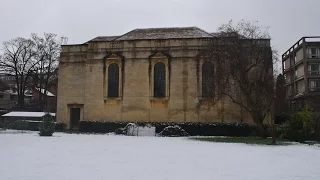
x=314 y=85
x=287 y=78
x=113 y=80
x=207 y=79
x=313 y=52
x=289 y=90
x=314 y=69
x=159 y=89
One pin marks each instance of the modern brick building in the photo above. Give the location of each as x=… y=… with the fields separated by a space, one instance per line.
x=301 y=69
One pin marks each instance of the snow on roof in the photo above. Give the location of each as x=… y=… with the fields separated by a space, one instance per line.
x=26 y=93
x=42 y=91
x=26 y=114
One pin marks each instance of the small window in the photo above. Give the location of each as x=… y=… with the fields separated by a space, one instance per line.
x=207 y=79
x=314 y=69
x=313 y=53
x=113 y=80
x=289 y=90
x=159 y=89
x=314 y=85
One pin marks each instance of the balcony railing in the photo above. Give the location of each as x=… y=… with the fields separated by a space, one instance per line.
x=314 y=89
x=314 y=73
x=313 y=56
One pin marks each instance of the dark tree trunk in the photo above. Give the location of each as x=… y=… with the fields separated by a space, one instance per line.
x=21 y=101
x=273 y=134
x=260 y=127
x=41 y=99
x=45 y=102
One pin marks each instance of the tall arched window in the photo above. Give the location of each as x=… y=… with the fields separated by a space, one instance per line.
x=113 y=80
x=207 y=79
x=159 y=88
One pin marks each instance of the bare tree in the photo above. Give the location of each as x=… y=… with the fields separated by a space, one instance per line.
x=18 y=60
x=244 y=68
x=45 y=74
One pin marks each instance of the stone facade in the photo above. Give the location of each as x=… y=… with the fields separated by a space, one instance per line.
x=83 y=79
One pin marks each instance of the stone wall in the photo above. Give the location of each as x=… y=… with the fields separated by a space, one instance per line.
x=82 y=83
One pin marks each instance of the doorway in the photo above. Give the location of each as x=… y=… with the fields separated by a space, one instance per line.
x=74 y=118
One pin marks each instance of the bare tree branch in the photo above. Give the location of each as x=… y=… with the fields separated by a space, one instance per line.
x=30 y=59
x=245 y=72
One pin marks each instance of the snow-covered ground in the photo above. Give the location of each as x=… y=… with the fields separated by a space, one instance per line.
x=26 y=156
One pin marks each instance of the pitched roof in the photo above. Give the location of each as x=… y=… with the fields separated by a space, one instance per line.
x=157 y=33
x=215 y=34
x=42 y=91
x=103 y=38
x=165 y=33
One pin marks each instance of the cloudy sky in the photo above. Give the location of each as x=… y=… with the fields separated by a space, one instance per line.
x=81 y=20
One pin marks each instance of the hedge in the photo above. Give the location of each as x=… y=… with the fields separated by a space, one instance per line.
x=193 y=129
x=26 y=125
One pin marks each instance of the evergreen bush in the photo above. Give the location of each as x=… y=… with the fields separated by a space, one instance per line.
x=173 y=131
x=47 y=125
x=299 y=128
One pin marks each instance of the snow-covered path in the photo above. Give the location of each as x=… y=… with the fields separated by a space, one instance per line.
x=82 y=157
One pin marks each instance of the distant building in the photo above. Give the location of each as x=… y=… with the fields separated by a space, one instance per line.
x=301 y=69
x=33 y=101
x=9 y=80
x=9 y=99
x=49 y=96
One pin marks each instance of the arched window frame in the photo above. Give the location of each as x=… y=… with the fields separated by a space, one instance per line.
x=113 y=93
x=113 y=59
x=207 y=82
x=159 y=92
x=200 y=63
x=159 y=57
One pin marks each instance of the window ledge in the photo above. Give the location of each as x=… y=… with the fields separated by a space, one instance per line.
x=201 y=98
x=112 y=99
x=159 y=99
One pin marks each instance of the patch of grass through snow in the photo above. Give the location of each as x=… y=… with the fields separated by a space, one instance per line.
x=245 y=140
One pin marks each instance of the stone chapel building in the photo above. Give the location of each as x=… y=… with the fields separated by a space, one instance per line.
x=150 y=75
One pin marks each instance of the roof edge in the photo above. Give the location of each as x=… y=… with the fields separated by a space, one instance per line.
x=84 y=44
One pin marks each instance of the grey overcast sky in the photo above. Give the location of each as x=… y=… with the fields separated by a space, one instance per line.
x=81 y=20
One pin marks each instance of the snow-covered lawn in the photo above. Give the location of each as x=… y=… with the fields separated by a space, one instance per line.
x=82 y=157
